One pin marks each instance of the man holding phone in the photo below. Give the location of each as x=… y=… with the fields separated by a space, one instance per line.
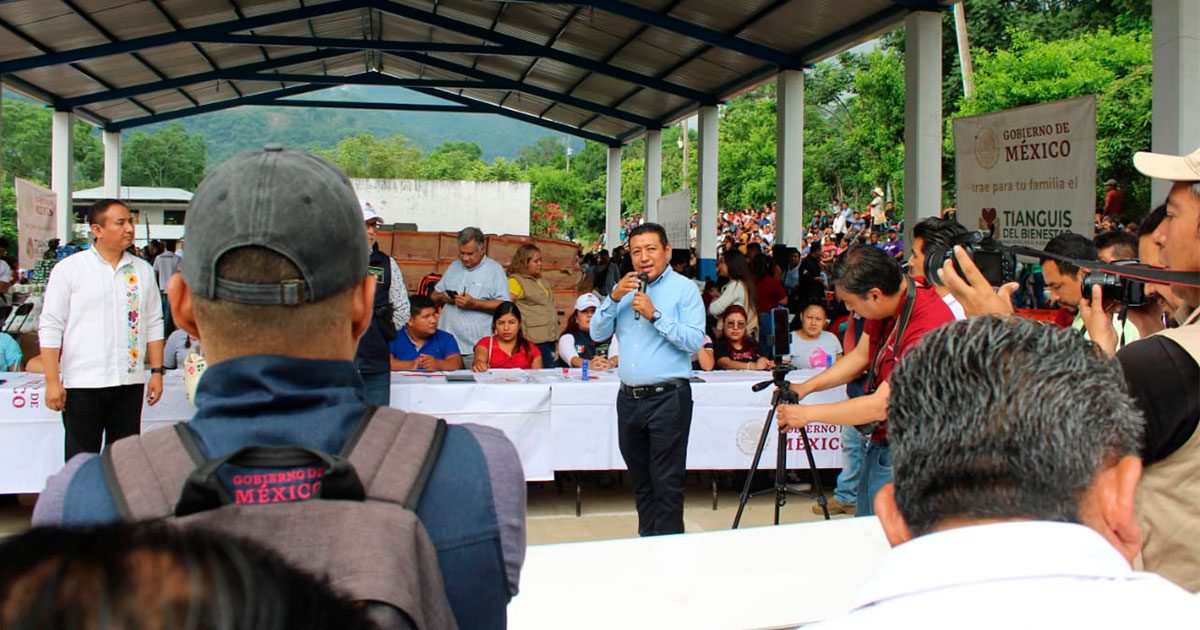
x=472 y=288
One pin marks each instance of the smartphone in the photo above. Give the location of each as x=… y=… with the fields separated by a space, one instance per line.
x=452 y=294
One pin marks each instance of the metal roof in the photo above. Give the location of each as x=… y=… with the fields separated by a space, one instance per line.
x=605 y=70
x=136 y=193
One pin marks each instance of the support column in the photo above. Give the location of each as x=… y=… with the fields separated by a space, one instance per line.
x=789 y=158
x=112 y=164
x=62 y=166
x=653 y=173
x=922 y=118
x=612 y=199
x=1175 y=127
x=706 y=196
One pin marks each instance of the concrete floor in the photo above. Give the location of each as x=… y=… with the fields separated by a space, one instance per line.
x=607 y=510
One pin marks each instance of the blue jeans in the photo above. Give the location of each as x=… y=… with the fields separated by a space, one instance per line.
x=377 y=388
x=876 y=473
x=853 y=445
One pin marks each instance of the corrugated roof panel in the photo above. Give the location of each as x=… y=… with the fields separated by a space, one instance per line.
x=552 y=73
x=347 y=24
x=813 y=20
x=653 y=104
x=118 y=110
x=176 y=60
x=533 y=22
x=119 y=72
x=602 y=89
x=131 y=20
x=165 y=101
x=193 y=13
x=717 y=15
x=704 y=74
x=610 y=127
x=226 y=56
x=22 y=12
x=13 y=47
x=251 y=8
x=63 y=32
x=63 y=81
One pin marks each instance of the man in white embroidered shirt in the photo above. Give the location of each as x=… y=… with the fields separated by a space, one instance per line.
x=101 y=320
x=1015 y=454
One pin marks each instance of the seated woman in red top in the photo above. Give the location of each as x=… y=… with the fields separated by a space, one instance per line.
x=507 y=347
x=736 y=350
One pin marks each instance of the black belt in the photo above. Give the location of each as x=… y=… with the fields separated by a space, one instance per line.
x=638 y=392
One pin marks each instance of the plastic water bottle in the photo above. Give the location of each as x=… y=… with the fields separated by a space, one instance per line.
x=583 y=378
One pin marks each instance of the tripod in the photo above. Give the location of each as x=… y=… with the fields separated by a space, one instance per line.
x=783 y=395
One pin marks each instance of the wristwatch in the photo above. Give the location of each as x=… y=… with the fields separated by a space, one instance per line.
x=657 y=315
x=158 y=370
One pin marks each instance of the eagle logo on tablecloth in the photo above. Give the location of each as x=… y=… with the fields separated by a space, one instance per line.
x=747 y=436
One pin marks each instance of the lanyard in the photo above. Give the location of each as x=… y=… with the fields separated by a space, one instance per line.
x=895 y=338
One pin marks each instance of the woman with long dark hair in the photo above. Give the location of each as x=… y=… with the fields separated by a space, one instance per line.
x=739 y=291
x=507 y=347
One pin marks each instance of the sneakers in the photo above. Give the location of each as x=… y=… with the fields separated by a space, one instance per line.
x=835 y=507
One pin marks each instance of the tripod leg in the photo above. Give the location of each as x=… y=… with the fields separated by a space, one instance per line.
x=762 y=442
x=780 y=472
x=816 y=474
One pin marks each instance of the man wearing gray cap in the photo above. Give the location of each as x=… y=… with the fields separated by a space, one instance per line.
x=1114 y=199
x=276 y=286
x=390 y=314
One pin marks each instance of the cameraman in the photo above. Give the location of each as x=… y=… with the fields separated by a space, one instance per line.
x=898 y=314
x=1161 y=372
x=934 y=232
x=1065 y=280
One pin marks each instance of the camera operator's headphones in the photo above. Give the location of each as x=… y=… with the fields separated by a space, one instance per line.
x=898 y=332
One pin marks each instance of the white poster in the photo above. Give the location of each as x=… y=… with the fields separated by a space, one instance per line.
x=674 y=214
x=35 y=221
x=1028 y=174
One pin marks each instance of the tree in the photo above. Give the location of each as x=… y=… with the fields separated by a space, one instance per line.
x=170 y=157
x=746 y=151
x=1115 y=67
x=365 y=156
x=451 y=160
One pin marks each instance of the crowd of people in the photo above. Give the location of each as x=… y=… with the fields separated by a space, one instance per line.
x=300 y=336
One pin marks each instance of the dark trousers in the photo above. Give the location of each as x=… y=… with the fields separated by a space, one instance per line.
x=547 y=350
x=653 y=435
x=111 y=412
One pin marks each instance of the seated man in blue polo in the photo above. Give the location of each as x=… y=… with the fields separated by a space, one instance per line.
x=420 y=345
x=279 y=312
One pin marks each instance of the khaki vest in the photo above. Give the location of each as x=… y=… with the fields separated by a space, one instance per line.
x=1168 y=498
x=539 y=319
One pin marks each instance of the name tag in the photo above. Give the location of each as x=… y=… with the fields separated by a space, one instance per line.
x=377 y=272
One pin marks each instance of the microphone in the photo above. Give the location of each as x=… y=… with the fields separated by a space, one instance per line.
x=643 y=280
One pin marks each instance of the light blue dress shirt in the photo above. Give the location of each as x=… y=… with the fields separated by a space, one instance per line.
x=658 y=352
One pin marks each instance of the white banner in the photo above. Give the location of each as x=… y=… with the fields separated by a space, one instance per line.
x=675 y=215
x=1028 y=174
x=36 y=207
x=555 y=423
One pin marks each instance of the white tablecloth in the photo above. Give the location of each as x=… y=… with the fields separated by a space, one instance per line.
x=762 y=577
x=555 y=423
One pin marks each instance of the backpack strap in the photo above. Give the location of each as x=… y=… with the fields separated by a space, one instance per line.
x=394 y=453
x=145 y=473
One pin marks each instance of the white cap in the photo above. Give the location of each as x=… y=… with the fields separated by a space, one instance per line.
x=370 y=215
x=1175 y=168
x=586 y=301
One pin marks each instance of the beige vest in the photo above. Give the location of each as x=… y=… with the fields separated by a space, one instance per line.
x=1168 y=498
x=539 y=319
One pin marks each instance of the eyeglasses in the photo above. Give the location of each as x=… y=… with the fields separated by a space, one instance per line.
x=735 y=325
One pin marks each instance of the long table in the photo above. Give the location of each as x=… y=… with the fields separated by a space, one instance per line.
x=557 y=422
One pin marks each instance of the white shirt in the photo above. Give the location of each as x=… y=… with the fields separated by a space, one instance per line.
x=486 y=281
x=1023 y=574
x=955 y=307
x=6 y=272
x=102 y=318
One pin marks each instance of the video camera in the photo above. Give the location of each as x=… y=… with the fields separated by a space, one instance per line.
x=995 y=261
x=1128 y=291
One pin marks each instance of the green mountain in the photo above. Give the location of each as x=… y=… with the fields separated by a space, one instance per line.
x=230 y=131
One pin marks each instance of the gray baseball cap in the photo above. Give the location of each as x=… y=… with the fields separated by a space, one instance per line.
x=290 y=202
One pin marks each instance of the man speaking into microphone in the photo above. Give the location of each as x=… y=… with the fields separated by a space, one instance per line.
x=659 y=317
